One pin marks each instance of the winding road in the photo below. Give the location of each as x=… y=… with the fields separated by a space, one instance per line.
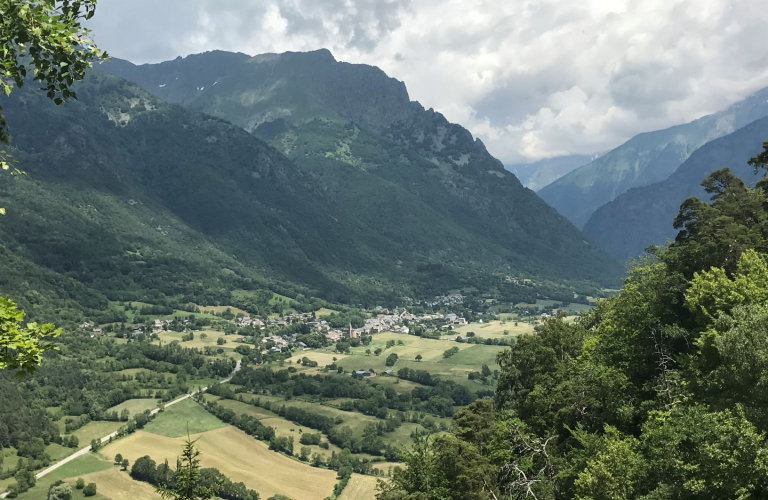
x=83 y=451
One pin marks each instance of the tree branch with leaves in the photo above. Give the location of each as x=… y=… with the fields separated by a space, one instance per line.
x=47 y=39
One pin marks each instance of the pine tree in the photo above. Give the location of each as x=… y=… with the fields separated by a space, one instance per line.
x=187 y=484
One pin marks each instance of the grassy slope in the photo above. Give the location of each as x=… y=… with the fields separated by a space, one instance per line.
x=184 y=417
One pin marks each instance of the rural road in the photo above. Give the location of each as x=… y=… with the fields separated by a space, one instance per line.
x=83 y=451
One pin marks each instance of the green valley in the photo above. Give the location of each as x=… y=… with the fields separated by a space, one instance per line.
x=229 y=276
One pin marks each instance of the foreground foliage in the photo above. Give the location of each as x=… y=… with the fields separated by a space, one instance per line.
x=22 y=347
x=657 y=393
x=45 y=36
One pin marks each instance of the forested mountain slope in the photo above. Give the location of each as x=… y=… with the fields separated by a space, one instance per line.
x=643 y=216
x=131 y=198
x=645 y=159
x=416 y=180
x=134 y=197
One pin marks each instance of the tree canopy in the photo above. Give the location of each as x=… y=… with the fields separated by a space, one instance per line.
x=656 y=393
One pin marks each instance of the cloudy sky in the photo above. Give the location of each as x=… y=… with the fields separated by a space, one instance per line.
x=531 y=78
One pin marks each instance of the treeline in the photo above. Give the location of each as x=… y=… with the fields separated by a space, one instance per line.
x=147 y=470
x=369 y=398
x=246 y=423
x=419 y=376
x=253 y=427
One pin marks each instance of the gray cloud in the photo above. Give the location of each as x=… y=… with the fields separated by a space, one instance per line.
x=531 y=79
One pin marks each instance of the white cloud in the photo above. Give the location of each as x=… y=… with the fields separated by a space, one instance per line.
x=531 y=78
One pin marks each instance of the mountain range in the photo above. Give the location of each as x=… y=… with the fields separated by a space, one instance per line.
x=220 y=171
x=643 y=216
x=645 y=159
x=538 y=174
x=368 y=144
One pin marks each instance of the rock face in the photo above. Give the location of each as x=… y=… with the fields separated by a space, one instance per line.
x=643 y=216
x=249 y=91
x=645 y=159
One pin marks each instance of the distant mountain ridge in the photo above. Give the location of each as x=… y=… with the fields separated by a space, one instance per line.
x=538 y=174
x=421 y=181
x=645 y=159
x=357 y=92
x=643 y=216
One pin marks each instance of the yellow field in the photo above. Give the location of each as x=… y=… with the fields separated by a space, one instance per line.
x=118 y=485
x=322 y=358
x=211 y=337
x=360 y=488
x=239 y=457
x=495 y=329
x=286 y=428
x=430 y=350
x=355 y=421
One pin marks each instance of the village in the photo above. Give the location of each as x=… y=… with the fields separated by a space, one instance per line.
x=385 y=321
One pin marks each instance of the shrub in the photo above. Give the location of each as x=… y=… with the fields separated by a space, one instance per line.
x=89 y=490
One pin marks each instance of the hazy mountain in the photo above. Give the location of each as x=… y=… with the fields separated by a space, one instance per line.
x=419 y=183
x=643 y=216
x=537 y=174
x=645 y=159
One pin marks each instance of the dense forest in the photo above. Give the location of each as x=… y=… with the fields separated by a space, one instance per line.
x=657 y=393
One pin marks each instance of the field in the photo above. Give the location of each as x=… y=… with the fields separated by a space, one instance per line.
x=220 y=309
x=210 y=341
x=322 y=358
x=286 y=428
x=239 y=457
x=185 y=416
x=402 y=386
x=577 y=308
x=132 y=313
x=539 y=303
x=283 y=427
x=471 y=357
x=95 y=430
x=57 y=452
x=355 y=421
x=76 y=468
x=494 y=329
x=135 y=406
x=360 y=488
x=246 y=409
x=324 y=311
x=118 y=485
